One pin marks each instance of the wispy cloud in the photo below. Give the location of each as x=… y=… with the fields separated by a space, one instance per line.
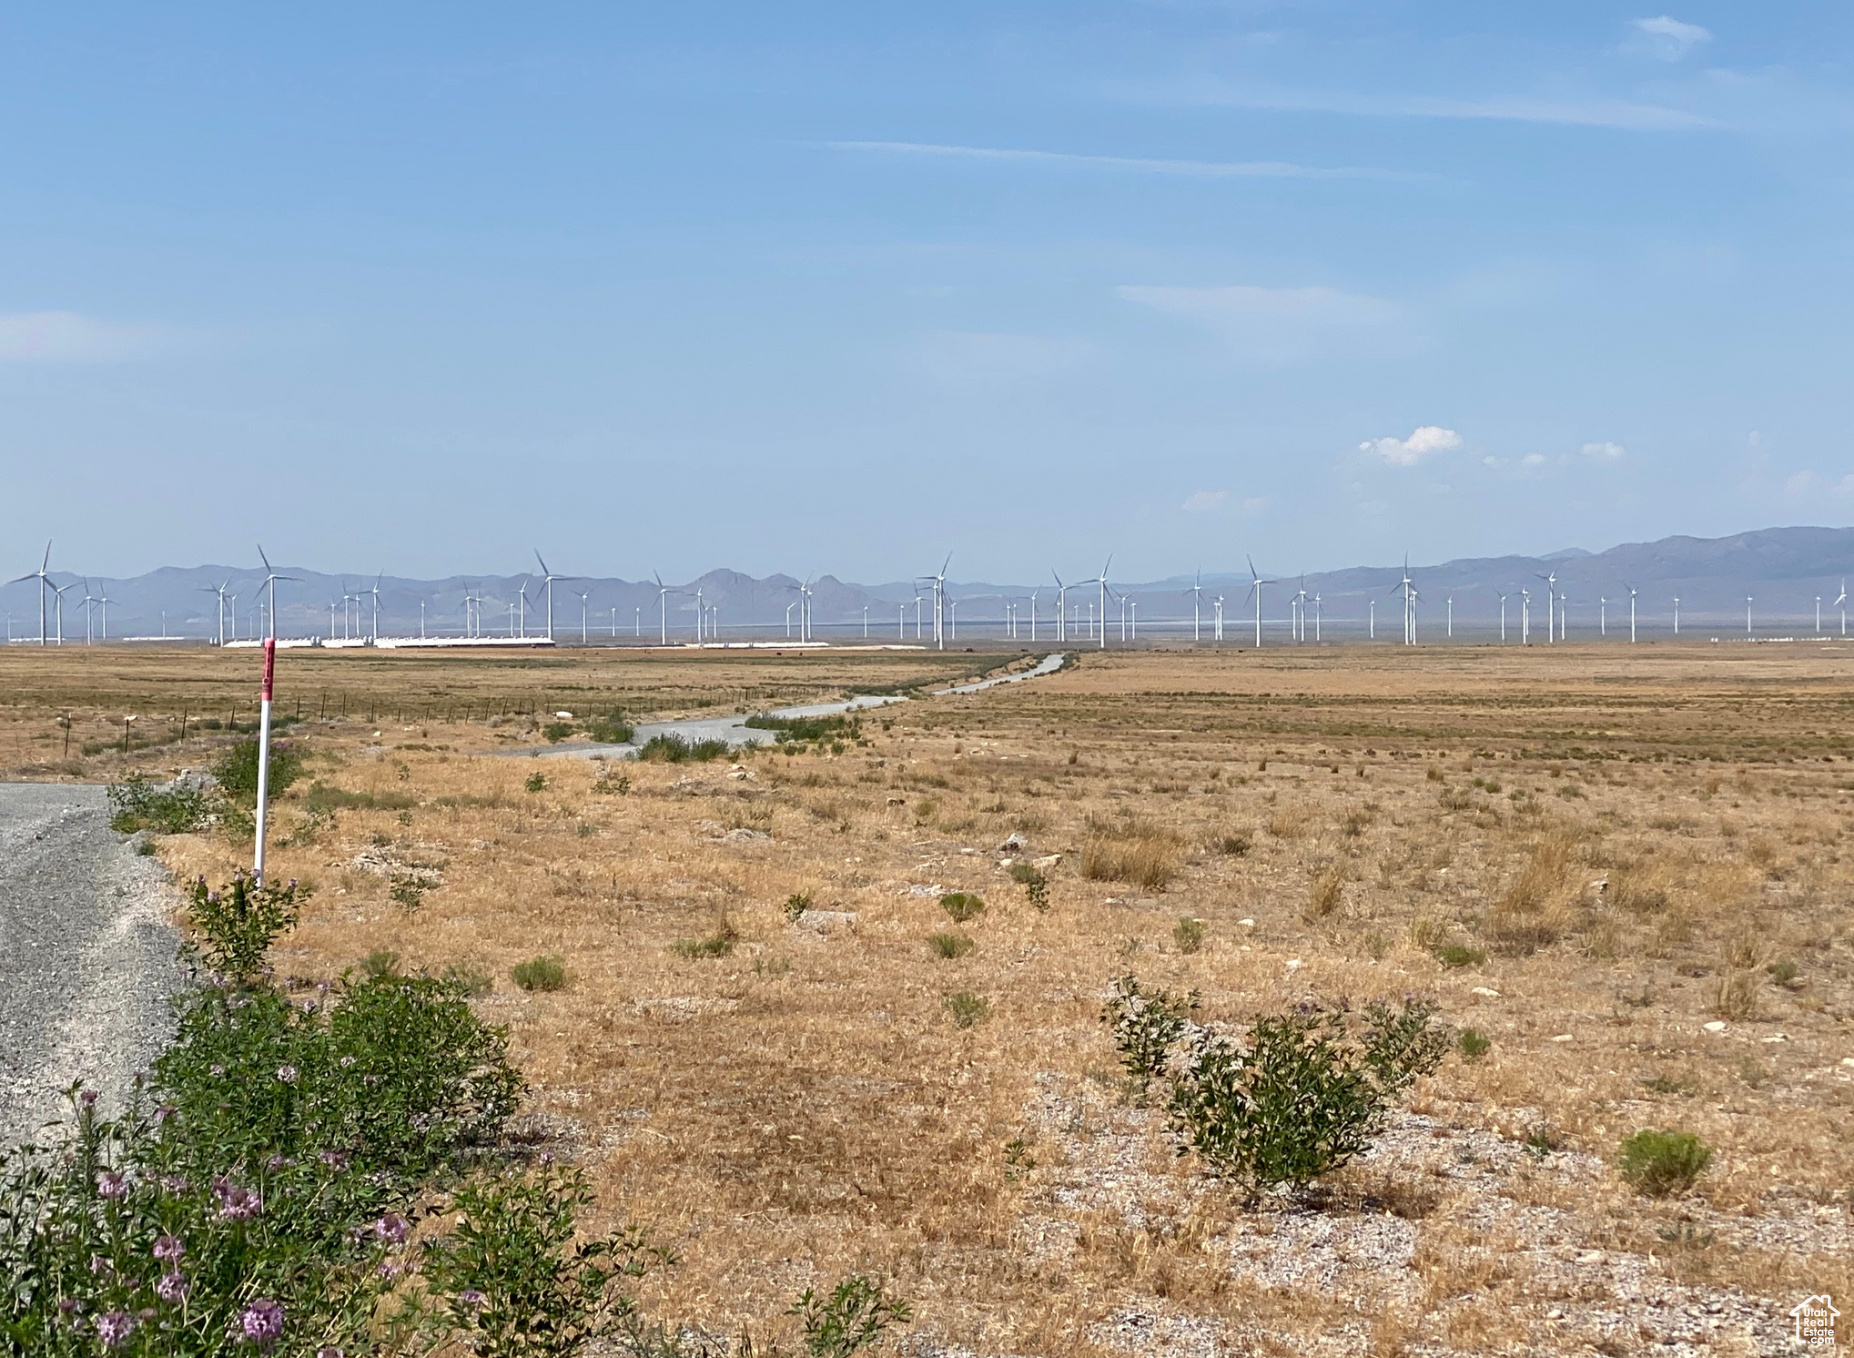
x=1603 y=452
x=1581 y=112
x=1192 y=169
x=1668 y=38
x=1272 y=326
x=67 y=337
x=1205 y=501
x=1424 y=442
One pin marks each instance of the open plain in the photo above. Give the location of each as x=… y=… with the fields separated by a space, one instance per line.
x=1627 y=869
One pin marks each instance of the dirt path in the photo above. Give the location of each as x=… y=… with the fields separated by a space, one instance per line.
x=88 y=949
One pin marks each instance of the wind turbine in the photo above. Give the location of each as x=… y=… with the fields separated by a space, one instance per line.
x=1551 y=602
x=1525 y=616
x=1818 y=615
x=220 y=591
x=1451 y=617
x=1602 y=615
x=548 y=578
x=1255 y=588
x=1196 y=592
x=375 y=591
x=1101 y=580
x=1631 y=615
x=1407 y=587
x=1503 y=619
x=1677 y=613
x=103 y=607
x=1316 y=618
x=1747 y=618
x=1841 y=602
x=1300 y=611
x=582 y=616
x=1033 y=594
x=270 y=582
x=939 y=602
x=662 y=608
x=44 y=584
x=1061 y=620
x=1216 y=613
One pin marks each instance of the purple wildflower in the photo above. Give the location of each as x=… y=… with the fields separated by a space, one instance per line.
x=472 y=1298
x=113 y=1327
x=261 y=1322
x=112 y=1185
x=172 y=1287
x=216 y=1070
x=235 y=1203
x=88 y=1098
x=287 y=1074
x=164 y=1113
x=391 y=1228
x=169 y=1247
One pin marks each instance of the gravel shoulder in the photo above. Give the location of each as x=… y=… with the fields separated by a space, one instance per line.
x=89 y=953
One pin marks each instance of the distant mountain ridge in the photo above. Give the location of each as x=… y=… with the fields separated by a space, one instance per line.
x=1781 y=569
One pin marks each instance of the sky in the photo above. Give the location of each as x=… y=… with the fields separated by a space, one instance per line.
x=846 y=287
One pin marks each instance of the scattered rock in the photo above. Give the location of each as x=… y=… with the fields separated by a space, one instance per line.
x=742 y=835
x=1563 y=1037
x=1013 y=843
x=825 y=921
x=1246 y=923
x=1716 y=1026
x=1486 y=992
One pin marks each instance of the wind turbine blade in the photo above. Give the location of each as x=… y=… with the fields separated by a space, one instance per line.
x=544 y=570
x=1252 y=575
x=261 y=557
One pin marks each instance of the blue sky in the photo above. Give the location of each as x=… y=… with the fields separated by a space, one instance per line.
x=844 y=287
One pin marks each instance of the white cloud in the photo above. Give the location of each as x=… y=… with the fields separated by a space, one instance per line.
x=1668 y=38
x=1609 y=452
x=1205 y=501
x=1812 y=485
x=1592 y=112
x=1426 y=441
x=1532 y=460
x=67 y=337
x=1195 y=169
x=1271 y=326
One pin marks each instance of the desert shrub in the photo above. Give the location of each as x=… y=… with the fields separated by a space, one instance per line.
x=673 y=749
x=237 y=769
x=1632 y=890
x=1459 y=955
x=1236 y=846
x=967 y=1008
x=240 y=921
x=1188 y=934
x=1528 y=915
x=1473 y=1044
x=1784 y=972
x=1304 y=1093
x=1326 y=894
x=380 y=962
x=393 y=1075
x=1034 y=883
x=1662 y=1163
x=1145 y=1026
x=796 y=904
x=540 y=973
x=322 y=797
x=407 y=891
x=556 y=731
x=855 y=1316
x=177 y=809
x=536 y=782
x=961 y=906
x=717 y=944
x=611 y=730
x=949 y=946
x=513 y=1279
x=467 y=981
x=834 y=727
x=1132 y=851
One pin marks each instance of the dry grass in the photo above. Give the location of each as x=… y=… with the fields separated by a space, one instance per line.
x=804 y=1101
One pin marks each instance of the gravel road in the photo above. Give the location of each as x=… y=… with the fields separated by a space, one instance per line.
x=86 y=952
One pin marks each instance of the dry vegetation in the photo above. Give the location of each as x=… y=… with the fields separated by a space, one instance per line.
x=1587 y=856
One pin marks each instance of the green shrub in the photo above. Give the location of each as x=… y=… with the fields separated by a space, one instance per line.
x=962 y=906
x=1035 y=884
x=540 y=973
x=175 y=810
x=556 y=731
x=796 y=904
x=536 y=782
x=718 y=944
x=1459 y=955
x=239 y=922
x=1188 y=934
x=380 y=962
x=612 y=730
x=1473 y=1044
x=949 y=946
x=835 y=726
x=322 y=797
x=237 y=769
x=1237 y=846
x=1303 y=1093
x=673 y=749
x=967 y=1008
x=1784 y=972
x=515 y=1280
x=1662 y=1163
x=468 y=981
x=1145 y=1026
x=855 y=1316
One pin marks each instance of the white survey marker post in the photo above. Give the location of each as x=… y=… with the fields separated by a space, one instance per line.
x=263 y=787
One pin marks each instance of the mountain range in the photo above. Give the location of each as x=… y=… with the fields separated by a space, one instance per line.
x=1782 y=570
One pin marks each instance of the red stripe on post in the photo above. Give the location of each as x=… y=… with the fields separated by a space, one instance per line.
x=270 y=664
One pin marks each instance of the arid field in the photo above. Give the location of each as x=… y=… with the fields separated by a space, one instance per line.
x=1627 y=869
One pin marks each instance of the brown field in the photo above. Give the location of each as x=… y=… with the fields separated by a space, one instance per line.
x=1625 y=845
